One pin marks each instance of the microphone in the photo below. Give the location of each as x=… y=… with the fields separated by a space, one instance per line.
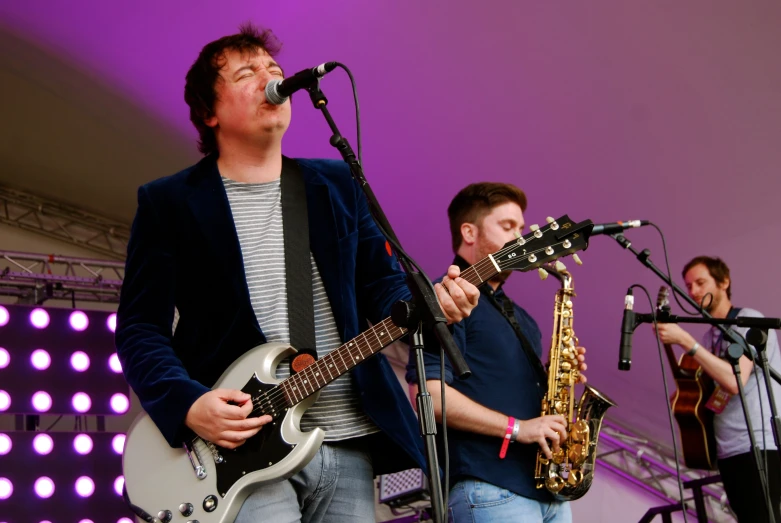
x=278 y=91
x=627 y=328
x=612 y=228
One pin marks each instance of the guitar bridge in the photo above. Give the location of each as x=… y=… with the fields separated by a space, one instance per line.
x=195 y=459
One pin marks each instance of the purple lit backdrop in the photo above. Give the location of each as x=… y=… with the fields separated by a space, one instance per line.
x=608 y=110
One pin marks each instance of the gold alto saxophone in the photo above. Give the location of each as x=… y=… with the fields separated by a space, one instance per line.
x=568 y=475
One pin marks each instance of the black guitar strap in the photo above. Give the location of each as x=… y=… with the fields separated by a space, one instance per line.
x=508 y=311
x=298 y=268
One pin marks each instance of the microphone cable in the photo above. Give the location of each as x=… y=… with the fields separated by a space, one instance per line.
x=666 y=398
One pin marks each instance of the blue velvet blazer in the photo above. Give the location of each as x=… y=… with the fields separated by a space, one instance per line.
x=184 y=252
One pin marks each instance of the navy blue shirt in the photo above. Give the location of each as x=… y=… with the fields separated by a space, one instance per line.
x=502 y=380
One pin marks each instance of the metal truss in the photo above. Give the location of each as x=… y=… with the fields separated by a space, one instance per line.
x=652 y=467
x=35 y=278
x=63 y=222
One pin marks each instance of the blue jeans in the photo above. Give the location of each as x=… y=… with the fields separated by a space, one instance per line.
x=474 y=501
x=337 y=486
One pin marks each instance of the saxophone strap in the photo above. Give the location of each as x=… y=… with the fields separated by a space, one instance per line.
x=508 y=311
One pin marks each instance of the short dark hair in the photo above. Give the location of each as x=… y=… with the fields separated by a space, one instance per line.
x=716 y=267
x=477 y=200
x=199 y=87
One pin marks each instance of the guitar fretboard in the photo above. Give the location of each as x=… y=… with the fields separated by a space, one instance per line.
x=298 y=387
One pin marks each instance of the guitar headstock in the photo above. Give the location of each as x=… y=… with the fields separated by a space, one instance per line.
x=553 y=240
x=663 y=298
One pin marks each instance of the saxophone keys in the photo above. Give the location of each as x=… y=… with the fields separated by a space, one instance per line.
x=554 y=484
x=577 y=454
x=575 y=477
x=580 y=431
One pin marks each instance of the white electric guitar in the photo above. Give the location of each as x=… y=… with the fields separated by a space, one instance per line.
x=203 y=483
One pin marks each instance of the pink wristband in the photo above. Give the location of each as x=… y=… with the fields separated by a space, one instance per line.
x=508 y=434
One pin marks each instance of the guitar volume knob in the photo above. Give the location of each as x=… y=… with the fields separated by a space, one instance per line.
x=186 y=509
x=210 y=503
x=165 y=516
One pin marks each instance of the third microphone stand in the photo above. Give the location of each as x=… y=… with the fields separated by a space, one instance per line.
x=738 y=347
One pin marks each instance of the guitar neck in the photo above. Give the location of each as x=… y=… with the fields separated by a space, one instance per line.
x=341 y=360
x=674 y=366
x=481 y=271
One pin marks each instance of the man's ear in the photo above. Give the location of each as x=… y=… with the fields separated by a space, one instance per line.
x=468 y=233
x=211 y=121
x=725 y=284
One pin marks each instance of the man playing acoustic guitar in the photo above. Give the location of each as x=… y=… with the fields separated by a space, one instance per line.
x=708 y=282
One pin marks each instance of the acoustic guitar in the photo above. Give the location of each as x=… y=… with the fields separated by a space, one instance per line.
x=695 y=387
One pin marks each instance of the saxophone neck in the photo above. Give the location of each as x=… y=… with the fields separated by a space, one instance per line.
x=560 y=272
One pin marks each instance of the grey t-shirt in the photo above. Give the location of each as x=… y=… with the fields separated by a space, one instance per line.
x=730 y=426
x=257 y=214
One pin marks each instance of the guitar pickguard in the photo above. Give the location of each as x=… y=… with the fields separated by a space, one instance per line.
x=261 y=451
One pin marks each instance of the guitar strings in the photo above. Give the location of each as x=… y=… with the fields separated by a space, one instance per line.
x=275 y=397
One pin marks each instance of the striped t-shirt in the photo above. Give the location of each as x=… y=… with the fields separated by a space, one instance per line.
x=257 y=214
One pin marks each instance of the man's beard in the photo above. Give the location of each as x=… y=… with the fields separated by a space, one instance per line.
x=708 y=303
x=484 y=248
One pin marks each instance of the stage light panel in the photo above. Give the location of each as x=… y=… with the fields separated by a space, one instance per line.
x=59 y=361
x=65 y=484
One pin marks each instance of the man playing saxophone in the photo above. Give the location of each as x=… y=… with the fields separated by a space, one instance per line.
x=492 y=480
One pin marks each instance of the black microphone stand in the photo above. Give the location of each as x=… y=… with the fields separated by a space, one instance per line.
x=737 y=348
x=424 y=310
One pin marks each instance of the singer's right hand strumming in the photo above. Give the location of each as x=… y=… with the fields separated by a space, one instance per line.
x=540 y=430
x=222 y=423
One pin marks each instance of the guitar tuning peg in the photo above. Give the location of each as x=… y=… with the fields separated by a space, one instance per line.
x=577 y=259
x=550 y=219
x=534 y=227
x=517 y=235
x=543 y=273
x=560 y=267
